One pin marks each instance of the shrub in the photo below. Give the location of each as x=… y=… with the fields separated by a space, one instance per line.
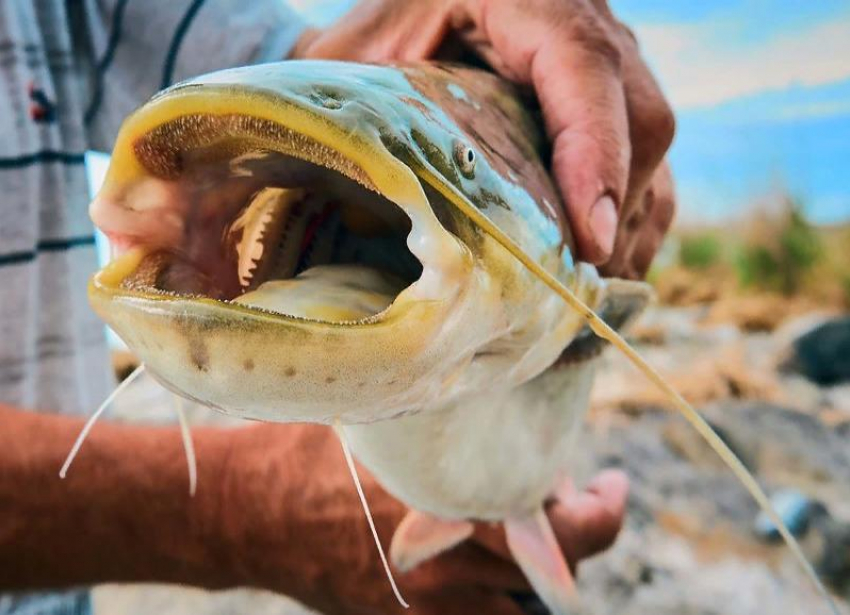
x=699 y=251
x=780 y=251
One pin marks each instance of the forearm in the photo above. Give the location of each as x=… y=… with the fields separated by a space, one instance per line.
x=124 y=512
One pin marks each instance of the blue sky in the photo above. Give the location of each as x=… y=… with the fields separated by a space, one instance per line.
x=762 y=95
x=761 y=90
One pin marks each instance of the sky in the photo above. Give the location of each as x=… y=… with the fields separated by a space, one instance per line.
x=761 y=90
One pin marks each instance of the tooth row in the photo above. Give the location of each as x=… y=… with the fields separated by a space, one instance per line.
x=260 y=224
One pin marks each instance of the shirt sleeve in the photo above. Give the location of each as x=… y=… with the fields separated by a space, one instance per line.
x=138 y=47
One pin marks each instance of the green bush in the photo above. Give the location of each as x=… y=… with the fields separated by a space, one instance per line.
x=699 y=251
x=782 y=253
x=757 y=267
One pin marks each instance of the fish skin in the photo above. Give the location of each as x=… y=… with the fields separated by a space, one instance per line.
x=463 y=397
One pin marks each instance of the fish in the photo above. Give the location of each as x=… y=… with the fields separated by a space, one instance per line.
x=380 y=249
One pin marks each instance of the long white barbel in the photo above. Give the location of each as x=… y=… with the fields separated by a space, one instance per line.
x=94 y=417
x=188 y=445
x=185 y=432
x=343 y=439
x=603 y=330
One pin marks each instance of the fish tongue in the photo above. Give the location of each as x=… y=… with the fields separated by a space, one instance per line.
x=334 y=293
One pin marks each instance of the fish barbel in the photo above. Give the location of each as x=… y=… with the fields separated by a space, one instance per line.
x=374 y=248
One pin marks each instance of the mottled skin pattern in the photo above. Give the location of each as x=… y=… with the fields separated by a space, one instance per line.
x=446 y=394
x=490 y=111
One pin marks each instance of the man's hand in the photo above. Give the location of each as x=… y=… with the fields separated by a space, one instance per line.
x=609 y=124
x=294 y=522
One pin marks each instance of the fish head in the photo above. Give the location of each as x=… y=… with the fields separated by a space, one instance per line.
x=294 y=243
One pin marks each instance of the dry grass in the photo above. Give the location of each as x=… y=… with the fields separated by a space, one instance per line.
x=759 y=271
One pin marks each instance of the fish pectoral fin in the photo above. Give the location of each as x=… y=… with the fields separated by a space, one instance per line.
x=421 y=536
x=623 y=301
x=620 y=303
x=532 y=542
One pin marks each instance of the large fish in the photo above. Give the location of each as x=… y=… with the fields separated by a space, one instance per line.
x=374 y=248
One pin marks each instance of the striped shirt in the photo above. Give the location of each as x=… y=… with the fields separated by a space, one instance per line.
x=71 y=71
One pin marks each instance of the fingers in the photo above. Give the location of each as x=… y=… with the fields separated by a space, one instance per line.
x=470 y=565
x=586 y=118
x=588 y=522
x=381 y=30
x=643 y=230
x=585 y=522
x=651 y=121
x=571 y=57
x=660 y=217
x=608 y=121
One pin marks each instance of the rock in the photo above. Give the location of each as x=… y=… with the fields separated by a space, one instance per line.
x=788 y=447
x=833 y=564
x=688 y=546
x=795 y=510
x=823 y=354
x=648 y=334
x=699 y=375
x=838 y=399
x=685 y=442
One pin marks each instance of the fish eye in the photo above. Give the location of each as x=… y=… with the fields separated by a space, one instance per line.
x=465 y=158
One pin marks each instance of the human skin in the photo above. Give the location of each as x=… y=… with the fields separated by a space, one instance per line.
x=608 y=122
x=275 y=508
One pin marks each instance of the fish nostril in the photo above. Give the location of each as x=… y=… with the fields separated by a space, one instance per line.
x=327 y=99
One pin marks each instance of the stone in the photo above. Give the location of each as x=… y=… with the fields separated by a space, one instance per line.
x=795 y=510
x=823 y=354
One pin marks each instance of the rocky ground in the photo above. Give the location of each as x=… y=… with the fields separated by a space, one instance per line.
x=690 y=544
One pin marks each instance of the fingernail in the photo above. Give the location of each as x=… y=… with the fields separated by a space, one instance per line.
x=603 y=224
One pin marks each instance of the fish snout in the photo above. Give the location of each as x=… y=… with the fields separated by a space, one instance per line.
x=148 y=214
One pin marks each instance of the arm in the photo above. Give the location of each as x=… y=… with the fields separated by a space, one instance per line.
x=275 y=508
x=123 y=514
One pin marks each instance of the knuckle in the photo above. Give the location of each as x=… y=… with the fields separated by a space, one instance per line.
x=597 y=39
x=635 y=220
x=663 y=212
x=656 y=119
x=663 y=122
x=652 y=128
x=666 y=213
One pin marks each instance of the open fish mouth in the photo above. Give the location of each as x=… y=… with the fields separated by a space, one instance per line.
x=278 y=252
x=296 y=228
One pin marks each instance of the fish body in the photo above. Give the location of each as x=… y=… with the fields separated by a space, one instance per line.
x=298 y=247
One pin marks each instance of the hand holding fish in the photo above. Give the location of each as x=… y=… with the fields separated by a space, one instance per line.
x=606 y=117
x=317 y=566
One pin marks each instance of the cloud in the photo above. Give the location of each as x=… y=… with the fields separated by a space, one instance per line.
x=702 y=65
x=820 y=109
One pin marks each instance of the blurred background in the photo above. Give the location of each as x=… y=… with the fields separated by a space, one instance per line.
x=751 y=325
